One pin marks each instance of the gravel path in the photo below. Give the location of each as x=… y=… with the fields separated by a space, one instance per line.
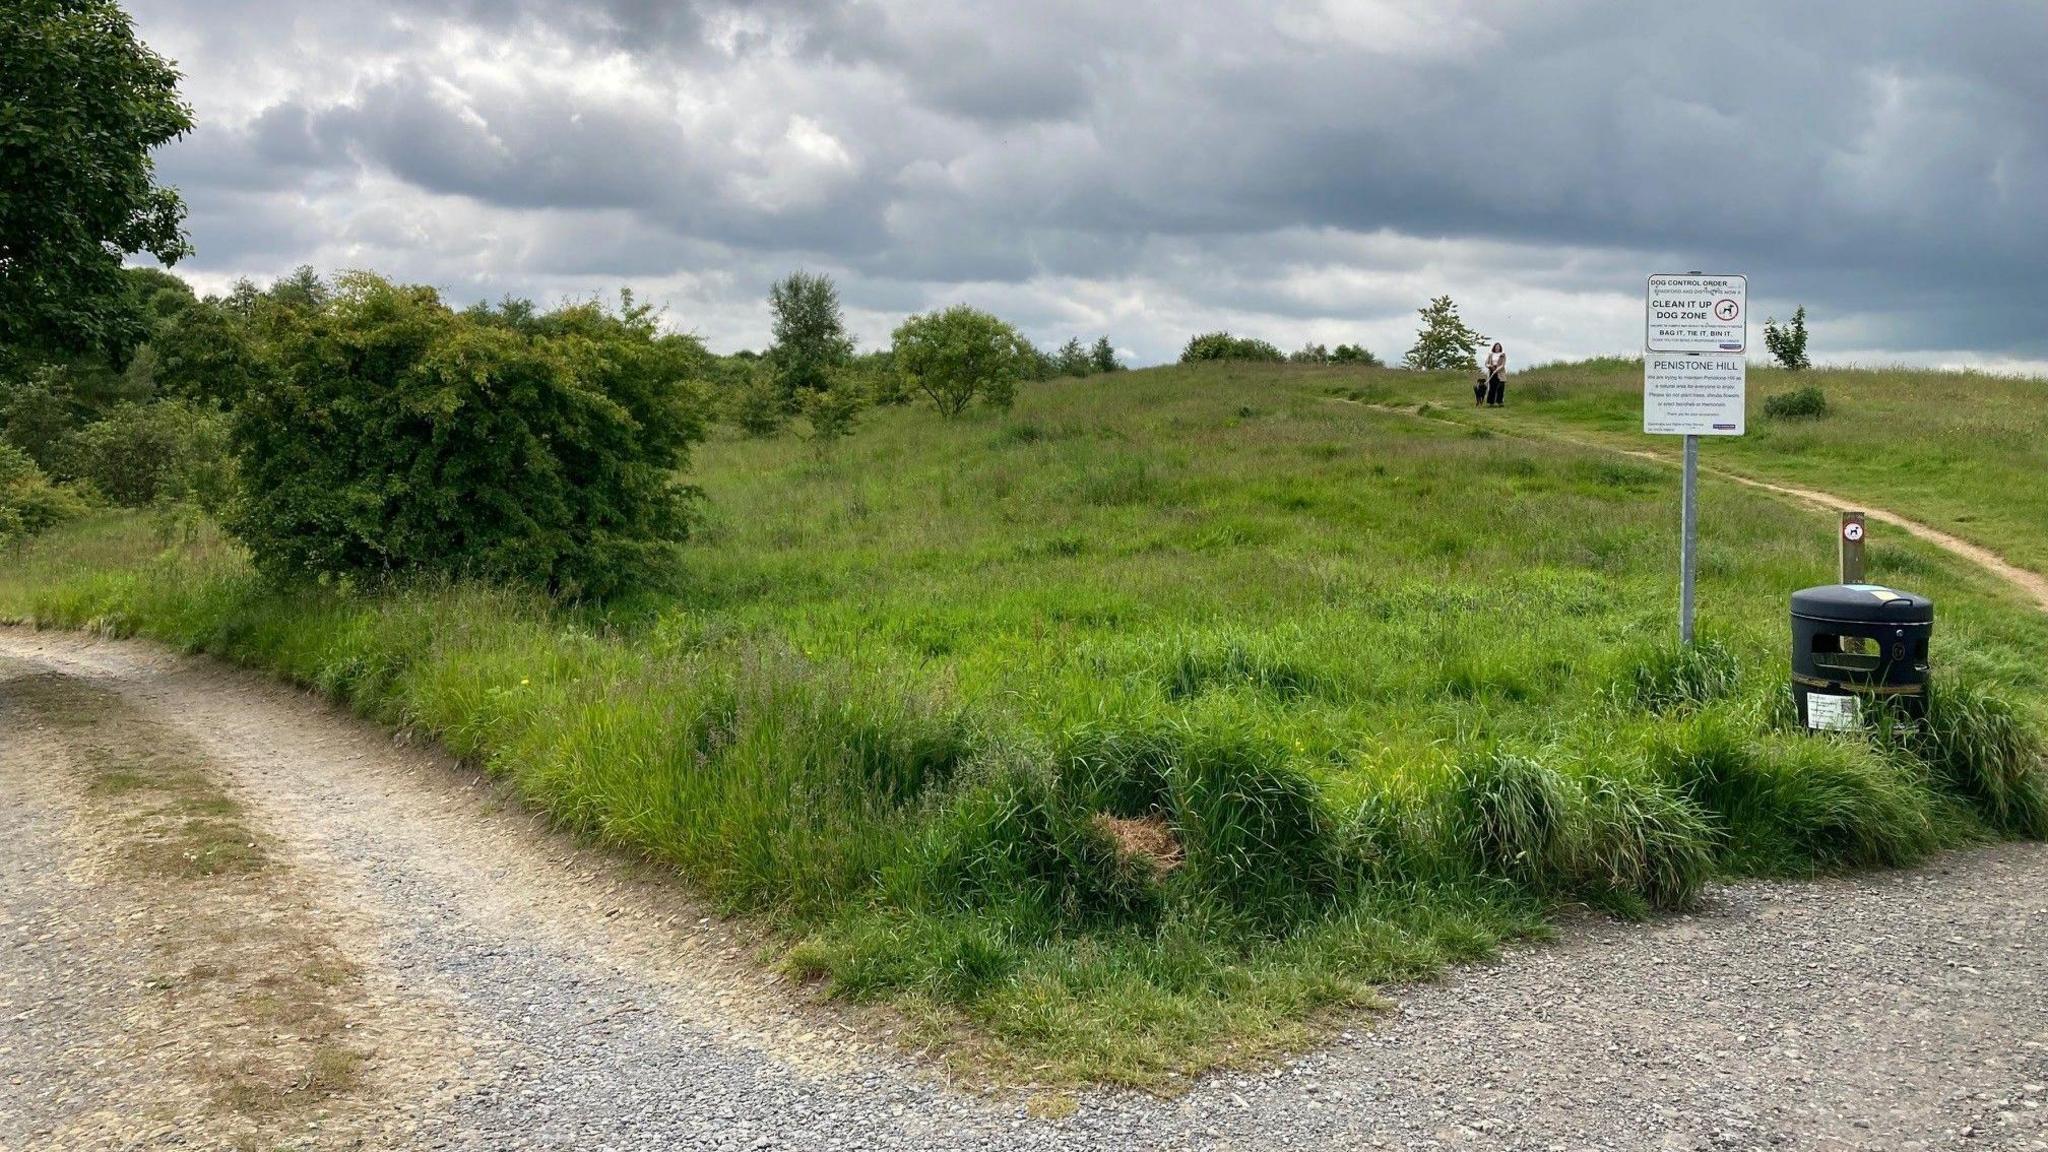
x=576 y=1002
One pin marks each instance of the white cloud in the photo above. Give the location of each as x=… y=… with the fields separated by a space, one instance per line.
x=1312 y=170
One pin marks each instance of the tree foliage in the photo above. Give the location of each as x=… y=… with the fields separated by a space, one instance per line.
x=1444 y=340
x=1224 y=346
x=1353 y=354
x=396 y=436
x=1787 y=342
x=169 y=451
x=82 y=104
x=753 y=399
x=833 y=412
x=960 y=356
x=1073 y=359
x=1103 y=356
x=810 y=334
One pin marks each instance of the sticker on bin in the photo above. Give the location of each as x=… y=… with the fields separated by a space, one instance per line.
x=1833 y=713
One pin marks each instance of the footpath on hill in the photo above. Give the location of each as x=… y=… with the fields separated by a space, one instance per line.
x=2033 y=585
x=367 y=947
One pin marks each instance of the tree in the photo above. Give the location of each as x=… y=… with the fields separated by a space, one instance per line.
x=206 y=352
x=303 y=289
x=810 y=334
x=1311 y=353
x=1072 y=359
x=82 y=104
x=1444 y=341
x=961 y=355
x=1103 y=357
x=1353 y=354
x=1788 y=342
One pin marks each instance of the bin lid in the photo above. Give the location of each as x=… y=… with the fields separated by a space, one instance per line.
x=1862 y=602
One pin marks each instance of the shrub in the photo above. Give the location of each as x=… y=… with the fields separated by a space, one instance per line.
x=1788 y=342
x=875 y=374
x=29 y=503
x=961 y=355
x=1311 y=353
x=753 y=400
x=1353 y=354
x=400 y=437
x=1224 y=346
x=833 y=412
x=1806 y=403
x=170 y=451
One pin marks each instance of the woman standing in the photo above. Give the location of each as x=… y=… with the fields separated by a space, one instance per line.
x=1496 y=377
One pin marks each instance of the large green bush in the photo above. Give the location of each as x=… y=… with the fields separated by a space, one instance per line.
x=397 y=436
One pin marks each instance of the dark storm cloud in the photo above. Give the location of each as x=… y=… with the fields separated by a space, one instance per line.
x=1879 y=158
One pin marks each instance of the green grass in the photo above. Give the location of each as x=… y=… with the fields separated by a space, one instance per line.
x=1396 y=688
x=1964 y=452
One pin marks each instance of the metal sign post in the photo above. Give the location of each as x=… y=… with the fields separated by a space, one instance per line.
x=1695 y=383
x=1688 y=539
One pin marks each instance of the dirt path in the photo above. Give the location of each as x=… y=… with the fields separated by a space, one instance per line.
x=2033 y=584
x=468 y=981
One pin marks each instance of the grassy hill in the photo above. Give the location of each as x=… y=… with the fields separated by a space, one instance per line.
x=1136 y=730
x=1962 y=451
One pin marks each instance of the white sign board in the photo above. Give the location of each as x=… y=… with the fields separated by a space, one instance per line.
x=1689 y=312
x=1833 y=713
x=1694 y=395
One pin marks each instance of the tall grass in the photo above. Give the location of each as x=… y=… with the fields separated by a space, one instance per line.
x=1390 y=690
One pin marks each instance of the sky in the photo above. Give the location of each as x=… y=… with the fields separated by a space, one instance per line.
x=1296 y=170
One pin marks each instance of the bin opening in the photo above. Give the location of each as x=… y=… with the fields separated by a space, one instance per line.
x=1849 y=653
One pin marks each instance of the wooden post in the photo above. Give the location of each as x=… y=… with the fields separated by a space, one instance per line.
x=1851 y=541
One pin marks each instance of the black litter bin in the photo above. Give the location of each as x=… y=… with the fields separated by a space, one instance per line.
x=1855 y=645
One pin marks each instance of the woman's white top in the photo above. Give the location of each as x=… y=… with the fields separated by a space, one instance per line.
x=1496 y=362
